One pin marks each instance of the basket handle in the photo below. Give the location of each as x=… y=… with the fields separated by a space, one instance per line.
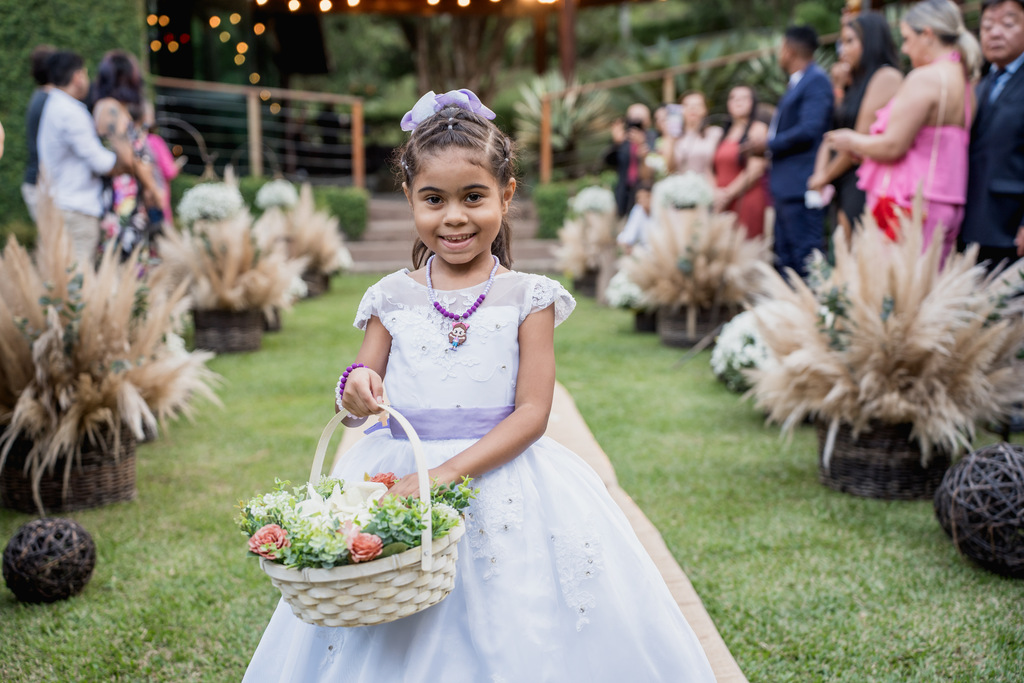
x=427 y=537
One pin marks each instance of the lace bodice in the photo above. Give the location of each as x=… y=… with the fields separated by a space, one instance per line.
x=424 y=371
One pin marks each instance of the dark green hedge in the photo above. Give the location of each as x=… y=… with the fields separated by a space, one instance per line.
x=552 y=201
x=350 y=205
x=88 y=28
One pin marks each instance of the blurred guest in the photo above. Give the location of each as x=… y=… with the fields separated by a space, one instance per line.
x=919 y=141
x=632 y=140
x=71 y=156
x=738 y=178
x=994 y=215
x=638 y=225
x=38 y=60
x=869 y=52
x=795 y=133
x=694 y=149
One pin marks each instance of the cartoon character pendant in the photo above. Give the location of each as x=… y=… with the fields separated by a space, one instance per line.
x=457 y=337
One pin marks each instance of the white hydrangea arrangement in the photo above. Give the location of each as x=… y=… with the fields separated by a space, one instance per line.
x=279 y=193
x=593 y=199
x=624 y=293
x=210 y=202
x=739 y=347
x=683 y=191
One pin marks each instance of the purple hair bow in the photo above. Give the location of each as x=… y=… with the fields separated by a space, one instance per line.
x=430 y=104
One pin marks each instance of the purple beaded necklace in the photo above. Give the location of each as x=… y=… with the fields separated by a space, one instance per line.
x=457 y=336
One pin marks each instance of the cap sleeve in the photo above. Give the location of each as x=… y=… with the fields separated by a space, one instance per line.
x=369 y=306
x=543 y=292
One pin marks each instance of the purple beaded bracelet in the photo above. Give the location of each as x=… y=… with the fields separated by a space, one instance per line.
x=339 y=391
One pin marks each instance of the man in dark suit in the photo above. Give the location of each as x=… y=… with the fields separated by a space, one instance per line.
x=801 y=120
x=632 y=139
x=994 y=214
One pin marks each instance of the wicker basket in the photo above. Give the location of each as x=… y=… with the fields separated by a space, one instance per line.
x=882 y=462
x=381 y=590
x=223 y=331
x=272 y=320
x=684 y=327
x=586 y=284
x=100 y=477
x=317 y=283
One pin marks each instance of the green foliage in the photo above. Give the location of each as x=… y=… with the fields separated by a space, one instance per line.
x=23 y=230
x=89 y=28
x=552 y=202
x=351 y=206
x=180 y=185
x=249 y=186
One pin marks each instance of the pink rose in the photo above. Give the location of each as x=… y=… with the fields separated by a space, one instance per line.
x=365 y=547
x=387 y=478
x=268 y=540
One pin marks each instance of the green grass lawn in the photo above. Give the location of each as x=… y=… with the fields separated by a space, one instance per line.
x=804 y=584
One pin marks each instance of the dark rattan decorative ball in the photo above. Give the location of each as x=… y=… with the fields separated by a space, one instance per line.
x=980 y=504
x=48 y=560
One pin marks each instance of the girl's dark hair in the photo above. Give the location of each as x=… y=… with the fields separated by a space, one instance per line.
x=750 y=120
x=118 y=76
x=878 y=49
x=457 y=127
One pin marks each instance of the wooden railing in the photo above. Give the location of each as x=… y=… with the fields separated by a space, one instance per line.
x=254 y=116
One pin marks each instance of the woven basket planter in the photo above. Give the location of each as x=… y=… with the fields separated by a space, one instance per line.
x=100 y=477
x=316 y=283
x=586 y=284
x=228 y=331
x=380 y=590
x=645 y=321
x=881 y=463
x=48 y=560
x=686 y=326
x=980 y=504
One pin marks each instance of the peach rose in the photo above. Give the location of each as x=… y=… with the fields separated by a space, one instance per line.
x=268 y=540
x=387 y=478
x=365 y=547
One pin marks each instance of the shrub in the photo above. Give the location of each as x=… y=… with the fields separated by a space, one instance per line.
x=351 y=205
x=552 y=202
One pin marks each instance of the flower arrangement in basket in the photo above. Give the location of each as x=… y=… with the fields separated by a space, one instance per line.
x=624 y=293
x=307 y=232
x=345 y=554
x=697 y=267
x=739 y=348
x=90 y=361
x=588 y=234
x=683 y=191
x=278 y=193
x=886 y=338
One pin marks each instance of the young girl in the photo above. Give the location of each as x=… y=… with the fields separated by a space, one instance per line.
x=552 y=583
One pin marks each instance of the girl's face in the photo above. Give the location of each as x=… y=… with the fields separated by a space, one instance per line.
x=695 y=109
x=740 y=102
x=457 y=206
x=852 y=47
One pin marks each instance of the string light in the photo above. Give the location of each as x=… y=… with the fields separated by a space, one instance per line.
x=214 y=22
x=151 y=20
x=164 y=20
x=261 y=3
x=239 y=60
x=293 y=5
x=264 y=95
x=353 y=3
x=463 y=3
x=155 y=46
x=433 y=2
x=325 y=5
x=172 y=46
x=254 y=78
x=235 y=18
x=275 y=108
x=258 y=29
x=225 y=36
x=242 y=48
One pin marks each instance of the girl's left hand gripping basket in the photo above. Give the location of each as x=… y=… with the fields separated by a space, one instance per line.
x=380 y=590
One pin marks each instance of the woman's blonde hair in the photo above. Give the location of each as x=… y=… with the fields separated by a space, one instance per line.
x=944 y=19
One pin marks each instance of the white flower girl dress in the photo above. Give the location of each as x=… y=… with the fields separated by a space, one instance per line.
x=552 y=584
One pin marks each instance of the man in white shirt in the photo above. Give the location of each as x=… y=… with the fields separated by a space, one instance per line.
x=72 y=157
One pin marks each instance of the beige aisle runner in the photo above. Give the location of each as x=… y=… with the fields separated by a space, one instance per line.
x=567 y=427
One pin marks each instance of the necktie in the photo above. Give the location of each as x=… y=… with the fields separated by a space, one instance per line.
x=998 y=83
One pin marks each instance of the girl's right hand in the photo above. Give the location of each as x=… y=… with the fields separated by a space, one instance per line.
x=364 y=393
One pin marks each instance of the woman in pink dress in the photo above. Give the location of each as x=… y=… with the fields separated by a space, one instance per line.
x=738 y=178
x=919 y=140
x=695 y=148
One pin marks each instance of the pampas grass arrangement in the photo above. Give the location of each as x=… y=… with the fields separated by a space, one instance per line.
x=84 y=352
x=887 y=336
x=697 y=261
x=588 y=234
x=310 y=233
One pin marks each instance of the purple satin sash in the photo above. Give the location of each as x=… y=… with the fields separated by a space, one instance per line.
x=435 y=424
